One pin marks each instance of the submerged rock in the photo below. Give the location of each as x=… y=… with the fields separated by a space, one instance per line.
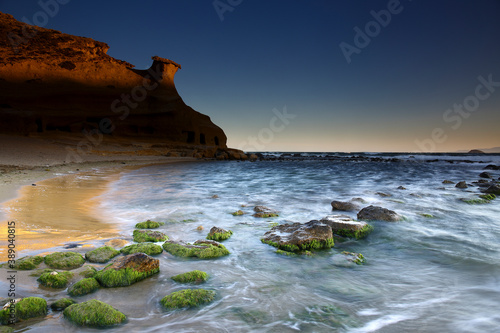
x=344 y=206
x=148 y=248
x=219 y=234
x=102 y=254
x=354 y=257
x=343 y=225
x=62 y=304
x=116 y=243
x=448 y=182
x=149 y=225
x=300 y=236
x=494 y=189
x=29 y=307
x=149 y=236
x=492 y=167
x=84 y=287
x=88 y=271
x=238 y=213
x=485 y=175
x=375 y=213
x=203 y=249
x=93 y=313
x=55 y=279
x=461 y=184
x=128 y=270
x=187 y=298
x=64 y=260
x=195 y=276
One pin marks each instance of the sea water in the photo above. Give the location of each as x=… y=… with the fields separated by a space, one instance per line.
x=422 y=274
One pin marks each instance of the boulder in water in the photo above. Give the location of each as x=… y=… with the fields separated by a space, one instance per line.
x=343 y=225
x=128 y=270
x=219 y=234
x=461 y=184
x=203 y=249
x=375 y=213
x=300 y=236
x=93 y=313
x=344 y=206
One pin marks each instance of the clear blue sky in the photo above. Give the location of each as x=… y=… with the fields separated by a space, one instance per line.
x=272 y=54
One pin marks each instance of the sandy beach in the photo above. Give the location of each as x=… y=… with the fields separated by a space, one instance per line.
x=52 y=201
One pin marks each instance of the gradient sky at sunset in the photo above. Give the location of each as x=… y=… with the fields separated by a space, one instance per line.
x=399 y=88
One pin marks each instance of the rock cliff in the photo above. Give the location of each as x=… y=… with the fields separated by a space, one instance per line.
x=54 y=83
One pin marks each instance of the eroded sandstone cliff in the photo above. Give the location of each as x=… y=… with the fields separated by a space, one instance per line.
x=51 y=82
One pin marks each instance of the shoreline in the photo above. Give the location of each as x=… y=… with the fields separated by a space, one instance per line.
x=60 y=209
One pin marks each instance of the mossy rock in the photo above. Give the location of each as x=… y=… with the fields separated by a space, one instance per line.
x=200 y=249
x=55 y=279
x=149 y=225
x=102 y=254
x=357 y=234
x=475 y=201
x=28 y=263
x=94 y=313
x=488 y=196
x=148 y=248
x=354 y=257
x=265 y=215
x=427 y=216
x=187 y=298
x=64 y=260
x=29 y=307
x=311 y=245
x=39 y=272
x=6 y=329
x=62 y=304
x=128 y=270
x=84 y=287
x=238 y=213
x=195 y=276
x=149 y=236
x=219 y=234
x=88 y=272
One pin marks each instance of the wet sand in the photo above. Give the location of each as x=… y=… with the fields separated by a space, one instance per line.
x=60 y=210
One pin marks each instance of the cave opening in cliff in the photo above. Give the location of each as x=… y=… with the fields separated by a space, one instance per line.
x=202 y=139
x=216 y=141
x=39 y=125
x=190 y=136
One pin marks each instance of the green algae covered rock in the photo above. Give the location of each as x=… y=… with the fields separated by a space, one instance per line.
x=28 y=263
x=187 y=298
x=64 y=260
x=203 y=249
x=62 y=304
x=84 y=287
x=219 y=234
x=149 y=236
x=94 y=313
x=149 y=225
x=294 y=237
x=238 y=213
x=264 y=212
x=344 y=226
x=128 y=270
x=195 y=276
x=55 y=279
x=101 y=254
x=29 y=307
x=354 y=257
x=88 y=271
x=148 y=248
